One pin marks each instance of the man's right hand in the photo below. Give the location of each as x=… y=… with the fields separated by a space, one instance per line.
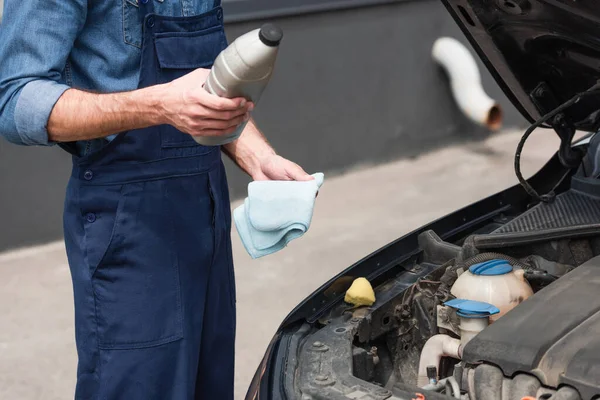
x=183 y=103
x=187 y=106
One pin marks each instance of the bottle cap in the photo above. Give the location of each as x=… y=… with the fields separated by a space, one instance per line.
x=472 y=309
x=270 y=35
x=492 y=267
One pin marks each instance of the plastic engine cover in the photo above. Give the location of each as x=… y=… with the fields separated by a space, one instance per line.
x=554 y=335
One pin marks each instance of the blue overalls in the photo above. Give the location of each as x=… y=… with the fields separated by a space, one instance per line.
x=147 y=229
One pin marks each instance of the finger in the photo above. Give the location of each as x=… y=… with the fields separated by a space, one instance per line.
x=220 y=124
x=297 y=173
x=220 y=103
x=259 y=176
x=223 y=115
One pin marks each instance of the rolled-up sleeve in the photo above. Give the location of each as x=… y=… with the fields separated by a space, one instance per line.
x=36 y=38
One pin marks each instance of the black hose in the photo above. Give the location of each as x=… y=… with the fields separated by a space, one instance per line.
x=483 y=257
x=539 y=279
x=517 y=164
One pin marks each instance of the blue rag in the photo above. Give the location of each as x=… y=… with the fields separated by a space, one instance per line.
x=275 y=213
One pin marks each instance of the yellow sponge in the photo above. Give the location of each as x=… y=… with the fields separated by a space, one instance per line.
x=360 y=293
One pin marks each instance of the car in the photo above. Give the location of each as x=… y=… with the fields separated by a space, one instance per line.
x=498 y=300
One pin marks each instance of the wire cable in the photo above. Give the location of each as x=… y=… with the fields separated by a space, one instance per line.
x=528 y=188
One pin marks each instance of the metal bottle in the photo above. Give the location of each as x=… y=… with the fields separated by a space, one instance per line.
x=243 y=69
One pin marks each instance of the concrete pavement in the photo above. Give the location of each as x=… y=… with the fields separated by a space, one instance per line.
x=356 y=213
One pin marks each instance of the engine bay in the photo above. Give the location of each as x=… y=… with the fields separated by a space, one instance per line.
x=498 y=301
x=539 y=271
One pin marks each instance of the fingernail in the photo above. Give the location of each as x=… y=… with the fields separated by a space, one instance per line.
x=243 y=103
x=251 y=107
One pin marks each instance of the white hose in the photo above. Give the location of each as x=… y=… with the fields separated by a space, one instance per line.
x=454 y=385
x=465 y=82
x=435 y=348
x=444 y=383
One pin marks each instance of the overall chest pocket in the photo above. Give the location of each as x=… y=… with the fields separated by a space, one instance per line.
x=179 y=53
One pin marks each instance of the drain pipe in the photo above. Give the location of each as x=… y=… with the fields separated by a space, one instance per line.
x=435 y=348
x=465 y=82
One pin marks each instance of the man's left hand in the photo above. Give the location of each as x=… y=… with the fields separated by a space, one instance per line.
x=276 y=168
x=254 y=155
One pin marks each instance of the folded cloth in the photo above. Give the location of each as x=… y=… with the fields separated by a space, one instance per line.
x=274 y=213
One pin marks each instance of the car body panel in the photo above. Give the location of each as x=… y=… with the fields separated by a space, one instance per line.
x=541 y=52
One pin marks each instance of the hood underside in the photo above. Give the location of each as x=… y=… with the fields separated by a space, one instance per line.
x=541 y=52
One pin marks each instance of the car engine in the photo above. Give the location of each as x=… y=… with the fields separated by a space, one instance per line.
x=549 y=341
x=540 y=340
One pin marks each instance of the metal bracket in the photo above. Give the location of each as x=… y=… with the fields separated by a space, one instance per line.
x=447 y=319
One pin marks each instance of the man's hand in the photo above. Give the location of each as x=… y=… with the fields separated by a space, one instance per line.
x=183 y=103
x=191 y=109
x=276 y=168
x=253 y=154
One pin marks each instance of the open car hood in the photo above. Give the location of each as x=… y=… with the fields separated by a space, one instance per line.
x=541 y=52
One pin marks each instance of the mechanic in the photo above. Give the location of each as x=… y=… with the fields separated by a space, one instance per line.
x=147 y=213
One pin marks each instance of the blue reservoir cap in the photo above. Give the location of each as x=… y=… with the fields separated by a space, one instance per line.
x=492 y=267
x=472 y=309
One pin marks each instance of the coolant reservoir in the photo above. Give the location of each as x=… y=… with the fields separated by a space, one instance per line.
x=495 y=282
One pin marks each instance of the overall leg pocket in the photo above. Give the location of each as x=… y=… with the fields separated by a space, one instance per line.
x=136 y=281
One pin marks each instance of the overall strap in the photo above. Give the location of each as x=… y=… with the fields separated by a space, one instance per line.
x=146 y=6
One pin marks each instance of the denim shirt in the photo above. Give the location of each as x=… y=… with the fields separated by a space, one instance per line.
x=49 y=46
